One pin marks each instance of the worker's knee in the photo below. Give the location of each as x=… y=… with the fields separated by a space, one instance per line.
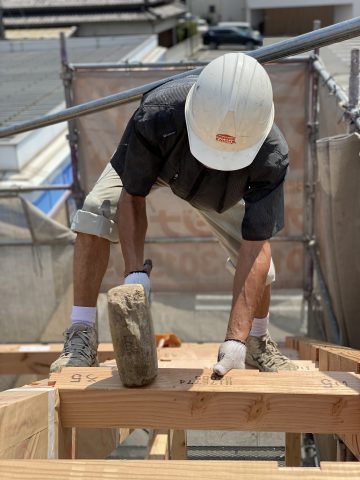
x=271 y=276
x=96 y=218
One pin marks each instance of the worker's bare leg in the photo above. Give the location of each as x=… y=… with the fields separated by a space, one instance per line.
x=91 y=257
x=258 y=344
x=263 y=308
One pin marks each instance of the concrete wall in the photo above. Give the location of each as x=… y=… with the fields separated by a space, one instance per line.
x=124 y=28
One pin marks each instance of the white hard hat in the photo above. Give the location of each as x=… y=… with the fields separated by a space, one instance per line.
x=229 y=112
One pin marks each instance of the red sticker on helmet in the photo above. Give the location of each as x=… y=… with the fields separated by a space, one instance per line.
x=223 y=137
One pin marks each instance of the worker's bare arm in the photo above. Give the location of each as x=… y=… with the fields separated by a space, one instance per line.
x=249 y=283
x=132 y=224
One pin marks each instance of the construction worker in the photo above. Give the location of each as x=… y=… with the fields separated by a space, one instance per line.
x=212 y=140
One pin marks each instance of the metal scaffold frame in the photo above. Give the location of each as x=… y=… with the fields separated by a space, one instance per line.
x=319 y=37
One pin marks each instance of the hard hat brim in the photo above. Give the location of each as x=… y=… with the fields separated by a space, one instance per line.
x=218 y=159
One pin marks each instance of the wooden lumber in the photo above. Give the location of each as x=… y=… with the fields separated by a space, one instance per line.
x=330 y=357
x=308 y=348
x=340 y=359
x=159 y=444
x=178 y=447
x=95 y=443
x=24 y=413
x=335 y=358
x=36 y=358
x=24 y=424
x=319 y=402
x=132 y=334
x=171 y=470
x=352 y=441
x=293 y=449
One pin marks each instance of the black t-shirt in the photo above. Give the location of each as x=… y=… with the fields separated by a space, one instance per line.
x=155 y=144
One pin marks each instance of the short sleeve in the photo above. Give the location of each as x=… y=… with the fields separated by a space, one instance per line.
x=264 y=198
x=138 y=159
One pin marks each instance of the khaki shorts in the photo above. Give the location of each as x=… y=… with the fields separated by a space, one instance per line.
x=98 y=217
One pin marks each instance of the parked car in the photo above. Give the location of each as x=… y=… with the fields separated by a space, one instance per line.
x=218 y=35
x=245 y=27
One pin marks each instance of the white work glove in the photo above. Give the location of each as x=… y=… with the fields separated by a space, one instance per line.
x=141 y=278
x=231 y=355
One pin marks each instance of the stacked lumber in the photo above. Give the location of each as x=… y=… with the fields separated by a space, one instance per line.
x=61 y=417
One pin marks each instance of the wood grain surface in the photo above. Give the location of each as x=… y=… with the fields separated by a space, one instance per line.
x=302 y=401
x=171 y=470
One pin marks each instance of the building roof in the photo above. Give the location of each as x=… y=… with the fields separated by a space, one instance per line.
x=30 y=84
x=159 y=13
x=41 y=4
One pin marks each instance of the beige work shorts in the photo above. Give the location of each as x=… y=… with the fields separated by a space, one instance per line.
x=98 y=217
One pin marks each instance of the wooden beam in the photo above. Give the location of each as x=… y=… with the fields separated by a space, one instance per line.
x=178 y=447
x=330 y=357
x=352 y=441
x=293 y=449
x=171 y=470
x=183 y=399
x=95 y=443
x=16 y=359
x=36 y=358
x=30 y=424
x=340 y=359
x=334 y=358
x=24 y=424
x=159 y=444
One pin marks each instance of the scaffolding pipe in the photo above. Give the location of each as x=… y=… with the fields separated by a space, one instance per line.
x=160 y=65
x=354 y=86
x=134 y=65
x=336 y=90
x=16 y=190
x=199 y=239
x=302 y=43
x=66 y=76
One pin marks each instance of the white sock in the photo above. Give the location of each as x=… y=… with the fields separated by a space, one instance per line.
x=260 y=327
x=83 y=315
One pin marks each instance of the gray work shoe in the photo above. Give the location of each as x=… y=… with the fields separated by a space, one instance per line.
x=264 y=354
x=80 y=348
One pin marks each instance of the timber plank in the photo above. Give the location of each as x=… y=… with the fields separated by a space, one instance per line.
x=330 y=357
x=320 y=402
x=171 y=470
x=159 y=443
x=36 y=358
x=352 y=441
x=293 y=449
x=23 y=417
x=340 y=359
